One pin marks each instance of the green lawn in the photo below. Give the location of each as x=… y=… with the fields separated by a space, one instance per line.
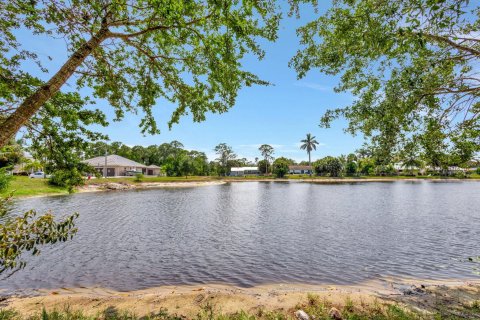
x=25 y=187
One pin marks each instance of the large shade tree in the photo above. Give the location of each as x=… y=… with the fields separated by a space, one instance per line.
x=412 y=67
x=59 y=131
x=309 y=144
x=281 y=166
x=225 y=155
x=132 y=53
x=267 y=151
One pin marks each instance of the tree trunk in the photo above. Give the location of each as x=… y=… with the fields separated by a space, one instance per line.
x=310 y=164
x=35 y=101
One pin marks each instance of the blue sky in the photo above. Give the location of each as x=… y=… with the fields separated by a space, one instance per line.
x=279 y=115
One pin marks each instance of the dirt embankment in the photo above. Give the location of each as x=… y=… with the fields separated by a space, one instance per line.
x=188 y=301
x=106 y=186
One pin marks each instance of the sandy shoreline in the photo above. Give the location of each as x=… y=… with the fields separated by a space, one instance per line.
x=112 y=185
x=188 y=301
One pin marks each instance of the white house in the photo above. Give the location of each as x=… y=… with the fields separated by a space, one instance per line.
x=243 y=171
x=119 y=166
x=153 y=170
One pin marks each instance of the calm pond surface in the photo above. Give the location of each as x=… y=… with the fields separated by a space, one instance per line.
x=253 y=233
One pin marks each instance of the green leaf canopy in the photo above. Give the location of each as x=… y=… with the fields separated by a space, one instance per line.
x=132 y=53
x=412 y=67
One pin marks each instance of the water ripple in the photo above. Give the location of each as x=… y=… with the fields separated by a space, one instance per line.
x=252 y=233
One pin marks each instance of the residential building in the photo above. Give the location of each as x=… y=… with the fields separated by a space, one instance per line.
x=119 y=166
x=153 y=170
x=243 y=171
x=295 y=169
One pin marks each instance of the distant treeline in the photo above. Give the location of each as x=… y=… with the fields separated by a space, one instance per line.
x=175 y=160
x=172 y=157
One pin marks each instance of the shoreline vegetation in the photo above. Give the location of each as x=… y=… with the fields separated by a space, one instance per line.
x=392 y=299
x=24 y=187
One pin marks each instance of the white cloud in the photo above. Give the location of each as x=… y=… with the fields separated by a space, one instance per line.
x=314 y=86
x=211 y=155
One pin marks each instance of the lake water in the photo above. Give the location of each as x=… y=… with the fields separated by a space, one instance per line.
x=253 y=233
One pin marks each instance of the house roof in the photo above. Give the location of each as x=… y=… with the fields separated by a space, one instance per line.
x=238 y=169
x=300 y=167
x=113 y=160
x=152 y=166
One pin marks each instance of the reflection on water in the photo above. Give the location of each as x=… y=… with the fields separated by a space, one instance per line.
x=260 y=232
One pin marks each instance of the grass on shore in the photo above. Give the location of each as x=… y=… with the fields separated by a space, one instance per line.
x=23 y=186
x=316 y=308
x=319 y=312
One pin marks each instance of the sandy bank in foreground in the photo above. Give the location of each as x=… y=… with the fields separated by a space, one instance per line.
x=188 y=301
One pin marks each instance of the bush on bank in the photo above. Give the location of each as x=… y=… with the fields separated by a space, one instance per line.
x=67 y=178
x=328 y=166
x=280 y=167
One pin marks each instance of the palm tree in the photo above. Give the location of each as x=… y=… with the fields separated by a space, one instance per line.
x=309 y=144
